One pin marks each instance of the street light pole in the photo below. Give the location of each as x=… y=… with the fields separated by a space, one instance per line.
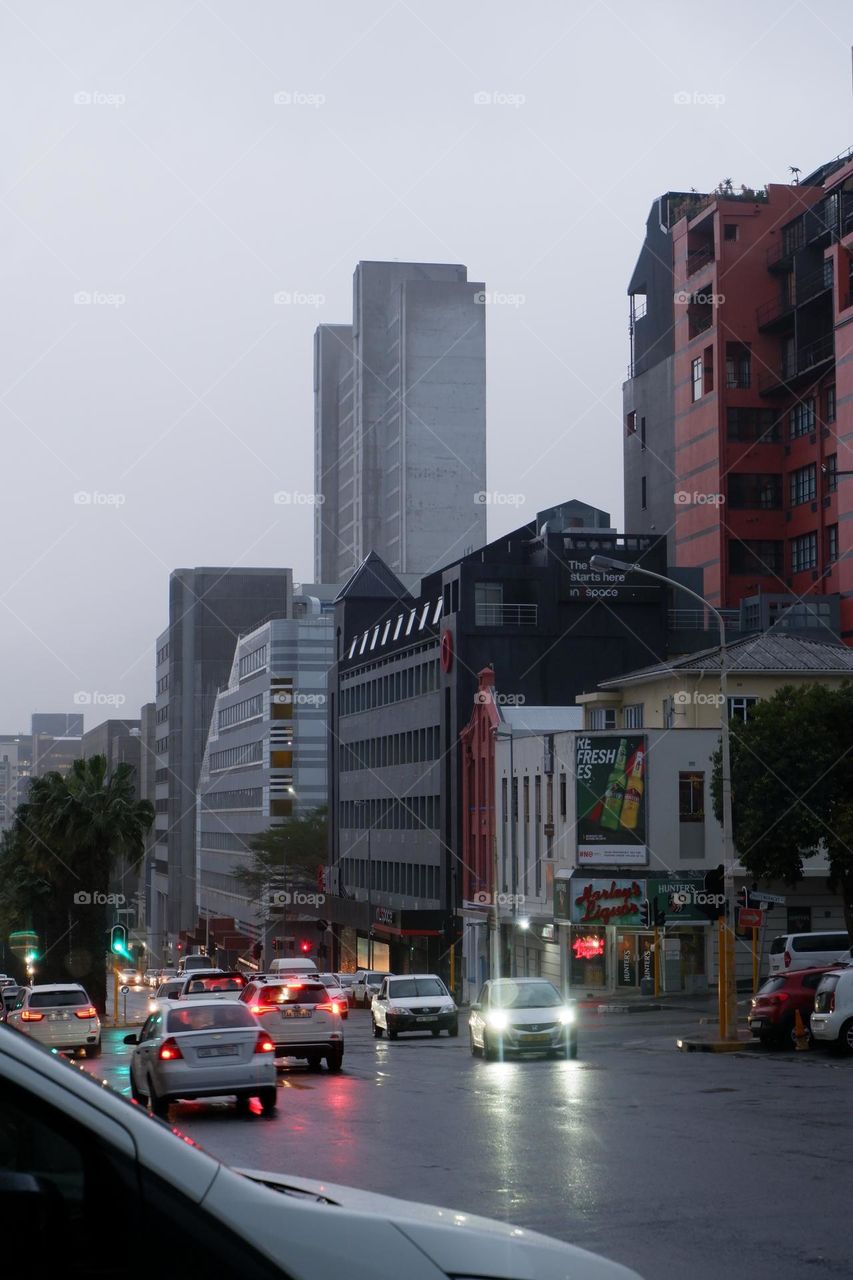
x=728 y=986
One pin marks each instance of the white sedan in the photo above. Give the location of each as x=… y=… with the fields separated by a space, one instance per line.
x=522 y=1015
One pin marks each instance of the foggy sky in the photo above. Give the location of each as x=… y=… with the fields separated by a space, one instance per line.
x=181 y=198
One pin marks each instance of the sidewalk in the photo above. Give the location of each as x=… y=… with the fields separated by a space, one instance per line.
x=703 y=1002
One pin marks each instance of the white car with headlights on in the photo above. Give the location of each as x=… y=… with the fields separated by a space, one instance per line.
x=202 y=1049
x=522 y=1015
x=419 y=1002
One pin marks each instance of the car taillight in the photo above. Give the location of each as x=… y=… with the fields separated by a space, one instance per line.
x=90 y=1012
x=263 y=1044
x=169 y=1050
x=830 y=1002
x=331 y=1006
x=261 y=1008
x=27 y=1015
x=787 y=959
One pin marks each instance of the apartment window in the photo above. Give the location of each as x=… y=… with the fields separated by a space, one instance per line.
x=642 y=433
x=803 y=484
x=239 y=798
x=802 y=418
x=752 y=425
x=829 y=405
x=731 y=231
x=602 y=718
x=161 y=746
x=642 y=493
x=804 y=553
x=740 y=708
x=832 y=543
x=754 y=492
x=240 y=711
x=738 y=366
x=162 y=655
x=162 y=684
x=631 y=423
x=236 y=757
x=162 y=715
x=708 y=369
x=696 y=378
x=632 y=717
x=252 y=662
x=691 y=797
x=831 y=472
x=758 y=557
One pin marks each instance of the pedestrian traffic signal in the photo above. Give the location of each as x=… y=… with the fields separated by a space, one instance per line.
x=118 y=942
x=645 y=914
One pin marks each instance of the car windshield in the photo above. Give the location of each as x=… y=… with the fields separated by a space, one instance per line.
x=416 y=987
x=57 y=999
x=208 y=1017
x=345 y=979
x=215 y=983
x=301 y=993
x=524 y=995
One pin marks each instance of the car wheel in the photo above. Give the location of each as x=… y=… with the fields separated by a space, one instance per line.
x=93 y=1050
x=268 y=1099
x=476 y=1051
x=845 y=1036
x=392 y=1035
x=159 y=1106
x=490 y=1053
x=141 y=1098
x=335 y=1058
x=377 y=1030
x=453 y=1030
x=315 y=1061
x=242 y=1106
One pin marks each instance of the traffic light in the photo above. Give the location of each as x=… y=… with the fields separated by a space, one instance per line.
x=743 y=896
x=645 y=914
x=305 y=946
x=714 y=906
x=659 y=916
x=118 y=942
x=257 y=950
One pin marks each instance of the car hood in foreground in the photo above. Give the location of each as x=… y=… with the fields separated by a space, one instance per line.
x=461 y=1244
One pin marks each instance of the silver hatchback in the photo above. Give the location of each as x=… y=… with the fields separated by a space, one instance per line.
x=202 y=1049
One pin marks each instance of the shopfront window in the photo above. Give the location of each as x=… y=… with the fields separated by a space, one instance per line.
x=588 y=956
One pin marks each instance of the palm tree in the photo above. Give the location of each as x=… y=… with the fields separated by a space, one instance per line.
x=72 y=831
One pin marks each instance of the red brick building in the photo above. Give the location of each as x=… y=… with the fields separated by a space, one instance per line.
x=739 y=403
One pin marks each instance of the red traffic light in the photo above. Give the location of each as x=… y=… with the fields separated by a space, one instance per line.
x=305 y=946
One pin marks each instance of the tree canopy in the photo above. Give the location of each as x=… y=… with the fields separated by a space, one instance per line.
x=287 y=855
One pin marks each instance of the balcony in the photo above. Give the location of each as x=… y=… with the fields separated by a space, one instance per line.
x=805 y=289
x=702 y=620
x=505 y=615
x=801 y=364
x=699 y=258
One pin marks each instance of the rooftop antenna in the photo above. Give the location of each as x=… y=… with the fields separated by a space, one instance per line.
x=795 y=181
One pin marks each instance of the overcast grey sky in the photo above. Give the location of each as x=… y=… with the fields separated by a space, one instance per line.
x=147 y=164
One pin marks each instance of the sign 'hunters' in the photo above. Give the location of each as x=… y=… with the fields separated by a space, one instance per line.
x=610 y=776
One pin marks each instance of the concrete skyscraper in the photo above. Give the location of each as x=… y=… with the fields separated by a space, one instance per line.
x=400 y=422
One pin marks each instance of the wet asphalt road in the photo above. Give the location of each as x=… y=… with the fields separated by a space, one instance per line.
x=692 y=1166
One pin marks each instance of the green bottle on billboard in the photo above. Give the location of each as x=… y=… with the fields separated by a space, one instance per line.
x=614 y=792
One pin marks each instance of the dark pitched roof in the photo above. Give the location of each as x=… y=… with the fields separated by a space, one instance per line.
x=769 y=652
x=373 y=580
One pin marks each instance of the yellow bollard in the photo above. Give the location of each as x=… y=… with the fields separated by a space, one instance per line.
x=802 y=1040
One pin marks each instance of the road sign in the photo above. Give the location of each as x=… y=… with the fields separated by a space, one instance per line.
x=749 y=918
x=757 y=895
x=124 y=990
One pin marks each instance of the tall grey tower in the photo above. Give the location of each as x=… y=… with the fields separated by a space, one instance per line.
x=400 y=421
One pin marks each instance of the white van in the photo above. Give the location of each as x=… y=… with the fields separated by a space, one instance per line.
x=293 y=968
x=191 y=964
x=807 y=950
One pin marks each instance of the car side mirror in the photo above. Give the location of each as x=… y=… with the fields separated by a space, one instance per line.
x=476 y=1006
x=131 y=1039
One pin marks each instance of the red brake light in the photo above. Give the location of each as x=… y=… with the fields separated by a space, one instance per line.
x=787 y=959
x=169 y=1050
x=331 y=1006
x=263 y=1044
x=89 y=1012
x=27 y=1015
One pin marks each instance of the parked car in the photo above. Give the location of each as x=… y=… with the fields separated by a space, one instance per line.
x=204 y=986
x=808 y=950
x=522 y=1015
x=166 y=991
x=300 y=1018
x=205 y=1049
x=832 y=1019
x=337 y=994
x=772 y=1014
x=419 y=1002
x=366 y=985
x=216 y=1221
x=58 y=1015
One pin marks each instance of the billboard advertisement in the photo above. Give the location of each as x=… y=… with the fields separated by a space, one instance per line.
x=610 y=773
x=685 y=898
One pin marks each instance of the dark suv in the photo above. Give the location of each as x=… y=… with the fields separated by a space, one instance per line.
x=774 y=1005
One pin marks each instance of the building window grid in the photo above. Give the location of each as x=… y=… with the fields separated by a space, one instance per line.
x=632 y=717
x=802 y=418
x=248 y=709
x=803 y=485
x=832 y=543
x=235 y=757
x=254 y=661
x=831 y=474
x=804 y=552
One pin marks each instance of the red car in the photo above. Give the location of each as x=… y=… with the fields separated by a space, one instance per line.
x=771 y=1017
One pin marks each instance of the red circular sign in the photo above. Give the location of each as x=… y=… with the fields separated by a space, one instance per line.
x=446 y=650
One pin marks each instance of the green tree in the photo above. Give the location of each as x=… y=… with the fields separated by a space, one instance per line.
x=68 y=836
x=791 y=792
x=287 y=855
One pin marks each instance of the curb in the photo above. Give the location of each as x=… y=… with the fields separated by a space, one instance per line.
x=715 y=1046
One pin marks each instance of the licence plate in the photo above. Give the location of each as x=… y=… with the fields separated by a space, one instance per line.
x=537 y=1037
x=218 y=1051
x=428 y=1018
x=296 y=1013
x=58 y=1017
x=756 y=1022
